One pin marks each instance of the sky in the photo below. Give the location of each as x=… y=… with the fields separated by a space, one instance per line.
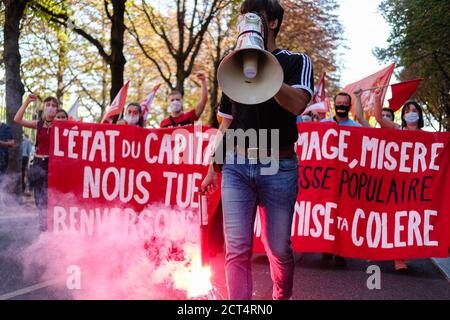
x=364 y=29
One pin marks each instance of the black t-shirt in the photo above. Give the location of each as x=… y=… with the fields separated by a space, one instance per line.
x=298 y=73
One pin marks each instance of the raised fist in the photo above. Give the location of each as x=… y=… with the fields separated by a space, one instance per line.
x=201 y=76
x=32 y=97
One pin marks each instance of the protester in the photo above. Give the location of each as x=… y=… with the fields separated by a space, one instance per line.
x=177 y=116
x=412 y=119
x=38 y=172
x=61 y=114
x=6 y=142
x=342 y=105
x=388 y=114
x=26 y=152
x=133 y=115
x=244 y=184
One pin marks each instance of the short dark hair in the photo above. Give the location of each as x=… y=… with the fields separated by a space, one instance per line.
x=345 y=94
x=272 y=8
x=405 y=108
x=390 y=111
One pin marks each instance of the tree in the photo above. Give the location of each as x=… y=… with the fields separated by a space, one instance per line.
x=14 y=11
x=182 y=40
x=314 y=28
x=44 y=50
x=58 y=13
x=418 y=44
x=220 y=40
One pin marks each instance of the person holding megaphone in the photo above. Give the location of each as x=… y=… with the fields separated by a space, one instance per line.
x=264 y=90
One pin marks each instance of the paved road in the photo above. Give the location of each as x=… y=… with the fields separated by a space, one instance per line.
x=314 y=278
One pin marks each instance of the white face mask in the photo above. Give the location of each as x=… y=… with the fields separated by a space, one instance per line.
x=131 y=119
x=175 y=106
x=49 y=112
x=412 y=117
x=306 y=118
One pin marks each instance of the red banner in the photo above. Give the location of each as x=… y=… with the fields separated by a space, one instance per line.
x=104 y=175
x=375 y=194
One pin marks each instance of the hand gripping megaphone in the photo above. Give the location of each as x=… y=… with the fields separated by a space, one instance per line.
x=250 y=74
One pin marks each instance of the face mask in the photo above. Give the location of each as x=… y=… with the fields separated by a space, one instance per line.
x=131 y=119
x=175 y=106
x=412 y=117
x=342 y=111
x=306 y=119
x=49 y=112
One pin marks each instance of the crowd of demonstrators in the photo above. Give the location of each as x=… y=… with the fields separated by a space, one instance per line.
x=177 y=116
x=6 y=142
x=38 y=172
x=242 y=191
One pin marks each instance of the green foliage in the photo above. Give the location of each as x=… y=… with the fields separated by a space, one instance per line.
x=419 y=43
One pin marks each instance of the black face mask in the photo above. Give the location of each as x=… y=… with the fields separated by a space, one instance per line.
x=342 y=111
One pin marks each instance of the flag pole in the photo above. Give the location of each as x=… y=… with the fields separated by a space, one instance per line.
x=389 y=85
x=375 y=88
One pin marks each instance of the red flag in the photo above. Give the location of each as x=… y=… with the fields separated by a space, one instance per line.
x=148 y=101
x=401 y=92
x=117 y=105
x=372 y=99
x=319 y=91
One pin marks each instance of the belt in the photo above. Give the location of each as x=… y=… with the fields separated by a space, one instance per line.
x=261 y=153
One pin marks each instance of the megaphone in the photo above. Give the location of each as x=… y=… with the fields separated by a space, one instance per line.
x=250 y=74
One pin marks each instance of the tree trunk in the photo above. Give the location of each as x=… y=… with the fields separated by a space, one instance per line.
x=117 y=43
x=14 y=10
x=181 y=76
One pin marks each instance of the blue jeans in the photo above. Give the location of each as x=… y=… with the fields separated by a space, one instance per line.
x=243 y=189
